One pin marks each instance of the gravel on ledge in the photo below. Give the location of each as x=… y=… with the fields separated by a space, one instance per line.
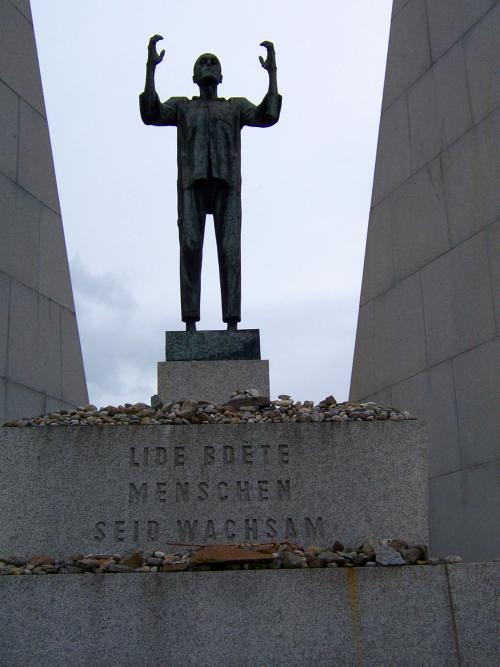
x=243 y=407
x=373 y=552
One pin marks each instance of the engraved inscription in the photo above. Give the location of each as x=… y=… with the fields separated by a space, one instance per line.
x=194 y=531
x=183 y=492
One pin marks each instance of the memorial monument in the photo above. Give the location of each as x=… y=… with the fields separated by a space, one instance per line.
x=210 y=364
x=330 y=500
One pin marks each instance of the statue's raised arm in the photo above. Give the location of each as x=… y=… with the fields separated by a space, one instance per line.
x=154 y=59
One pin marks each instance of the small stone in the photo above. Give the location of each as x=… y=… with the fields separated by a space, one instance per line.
x=88 y=564
x=117 y=568
x=452 y=559
x=132 y=559
x=156 y=402
x=37 y=561
x=289 y=559
x=433 y=561
x=173 y=567
x=385 y=555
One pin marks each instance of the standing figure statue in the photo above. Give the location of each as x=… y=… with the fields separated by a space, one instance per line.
x=209 y=171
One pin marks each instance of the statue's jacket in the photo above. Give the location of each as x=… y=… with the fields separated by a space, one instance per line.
x=209 y=132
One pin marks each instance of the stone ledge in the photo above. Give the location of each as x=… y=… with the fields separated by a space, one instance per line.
x=402 y=616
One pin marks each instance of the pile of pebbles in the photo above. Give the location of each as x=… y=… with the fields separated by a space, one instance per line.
x=373 y=552
x=243 y=407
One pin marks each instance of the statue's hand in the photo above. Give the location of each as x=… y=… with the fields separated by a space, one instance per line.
x=269 y=63
x=154 y=58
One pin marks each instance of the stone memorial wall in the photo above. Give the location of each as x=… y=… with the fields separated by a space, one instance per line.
x=111 y=489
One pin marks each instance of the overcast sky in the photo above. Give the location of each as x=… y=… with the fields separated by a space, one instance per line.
x=306 y=181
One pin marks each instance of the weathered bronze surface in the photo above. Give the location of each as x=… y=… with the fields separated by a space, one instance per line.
x=209 y=171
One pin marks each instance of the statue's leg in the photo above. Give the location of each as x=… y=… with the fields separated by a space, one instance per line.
x=191 y=224
x=227 y=219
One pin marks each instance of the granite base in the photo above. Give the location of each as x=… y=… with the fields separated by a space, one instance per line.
x=212 y=381
x=415 y=615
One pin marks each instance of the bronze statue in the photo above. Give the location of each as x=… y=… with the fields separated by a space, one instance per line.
x=209 y=171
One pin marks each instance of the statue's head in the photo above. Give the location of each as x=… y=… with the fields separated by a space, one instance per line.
x=207 y=69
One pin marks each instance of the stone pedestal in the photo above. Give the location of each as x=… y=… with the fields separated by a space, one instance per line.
x=111 y=488
x=212 y=381
x=211 y=365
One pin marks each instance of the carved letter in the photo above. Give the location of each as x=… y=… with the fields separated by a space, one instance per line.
x=284 y=455
x=251 y=530
x=220 y=493
x=228 y=454
x=136 y=531
x=186 y=530
x=152 y=531
x=136 y=495
x=208 y=455
x=229 y=529
x=145 y=456
x=100 y=526
x=243 y=491
x=313 y=530
x=265 y=452
x=203 y=490
x=247 y=454
x=161 y=456
x=133 y=462
x=283 y=489
x=271 y=528
x=119 y=531
x=179 y=457
x=210 y=531
x=290 y=529
x=161 y=492
x=262 y=485
x=182 y=490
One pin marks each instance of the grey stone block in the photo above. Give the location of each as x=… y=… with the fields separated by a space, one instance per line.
x=363 y=370
x=399 y=336
x=457 y=300
x=471 y=168
x=9 y=106
x=24 y=8
x=482 y=49
x=477 y=387
x=18 y=57
x=474 y=595
x=23 y=360
x=243 y=344
x=463 y=512
x=213 y=381
x=21 y=401
x=20 y=232
x=387 y=625
x=4 y=320
x=49 y=322
x=493 y=241
x=74 y=387
x=419 y=223
x=54 y=275
x=431 y=396
x=379 y=264
x=393 y=153
x=398 y=5
x=450 y=19
x=439 y=108
x=409 y=39
x=3 y=397
x=35 y=165
x=281 y=617
x=55 y=404
x=69 y=489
